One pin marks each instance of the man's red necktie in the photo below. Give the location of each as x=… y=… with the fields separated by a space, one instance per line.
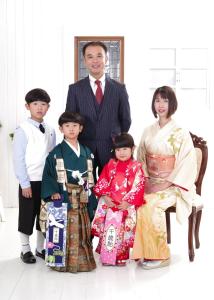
x=99 y=92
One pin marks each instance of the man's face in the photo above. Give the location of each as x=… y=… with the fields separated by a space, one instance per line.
x=95 y=59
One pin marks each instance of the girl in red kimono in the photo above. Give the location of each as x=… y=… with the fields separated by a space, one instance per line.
x=120 y=189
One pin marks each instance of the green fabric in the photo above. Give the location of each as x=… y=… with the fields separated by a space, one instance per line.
x=50 y=185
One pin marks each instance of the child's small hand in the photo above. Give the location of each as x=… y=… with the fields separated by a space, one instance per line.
x=55 y=196
x=108 y=201
x=27 y=193
x=124 y=205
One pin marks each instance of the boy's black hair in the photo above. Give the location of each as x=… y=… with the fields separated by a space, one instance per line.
x=73 y=117
x=37 y=95
x=94 y=44
x=123 y=140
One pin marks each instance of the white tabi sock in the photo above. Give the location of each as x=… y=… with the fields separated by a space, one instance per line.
x=25 y=244
x=40 y=241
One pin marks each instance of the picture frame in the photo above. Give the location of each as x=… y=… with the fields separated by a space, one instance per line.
x=115 y=63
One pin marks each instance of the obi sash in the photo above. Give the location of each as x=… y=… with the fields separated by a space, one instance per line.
x=56 y=234
x=160 y=165
x=110 y=239
x=77 y=195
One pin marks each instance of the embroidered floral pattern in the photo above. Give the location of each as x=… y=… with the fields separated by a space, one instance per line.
x=122 y=181
x=175 y=139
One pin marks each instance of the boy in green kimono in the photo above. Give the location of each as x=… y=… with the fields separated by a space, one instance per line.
x=68 y=175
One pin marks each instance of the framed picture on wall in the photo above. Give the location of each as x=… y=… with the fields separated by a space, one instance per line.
x=115 y=63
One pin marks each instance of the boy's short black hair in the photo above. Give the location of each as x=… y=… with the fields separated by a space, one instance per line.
x=123 y=140
x=73 y=117
x=37 y=95
x=94 y=44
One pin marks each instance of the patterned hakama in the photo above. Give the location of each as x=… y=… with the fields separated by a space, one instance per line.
x=79 y=252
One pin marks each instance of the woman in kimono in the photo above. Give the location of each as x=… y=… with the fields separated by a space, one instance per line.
x=68 y=176
x=120 y=189
x=169 y=162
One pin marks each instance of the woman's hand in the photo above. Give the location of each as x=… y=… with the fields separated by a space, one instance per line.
x=156 y=187
x=147 y=186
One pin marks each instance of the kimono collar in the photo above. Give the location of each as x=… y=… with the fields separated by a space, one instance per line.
x=76 y=151
x=124 y=163
x=121 y=166
x=171 y=123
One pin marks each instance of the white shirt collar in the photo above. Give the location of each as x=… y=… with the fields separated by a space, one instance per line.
x=102 y=79
x=35 y=123
x=93 y=84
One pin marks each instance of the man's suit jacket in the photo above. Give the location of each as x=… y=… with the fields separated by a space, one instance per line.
x=102 y=122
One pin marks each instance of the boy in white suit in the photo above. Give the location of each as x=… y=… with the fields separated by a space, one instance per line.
x=33 y=140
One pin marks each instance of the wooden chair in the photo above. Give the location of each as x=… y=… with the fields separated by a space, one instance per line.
x=195 y=216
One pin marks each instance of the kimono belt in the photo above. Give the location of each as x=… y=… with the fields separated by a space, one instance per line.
x=78 y=197
x=160 y=165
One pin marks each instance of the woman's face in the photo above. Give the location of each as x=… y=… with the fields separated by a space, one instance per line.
x=161 y=106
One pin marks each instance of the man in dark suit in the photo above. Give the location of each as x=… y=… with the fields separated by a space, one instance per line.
x=102 y=101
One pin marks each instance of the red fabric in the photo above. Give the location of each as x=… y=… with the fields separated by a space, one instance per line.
x=99 y=92
x=122 y=181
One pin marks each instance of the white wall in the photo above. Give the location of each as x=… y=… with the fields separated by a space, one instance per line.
x=36 y=50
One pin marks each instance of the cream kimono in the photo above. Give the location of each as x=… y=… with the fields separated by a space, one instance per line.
x=168 y=141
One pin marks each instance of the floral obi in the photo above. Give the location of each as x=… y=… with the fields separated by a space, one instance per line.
x=160 y=165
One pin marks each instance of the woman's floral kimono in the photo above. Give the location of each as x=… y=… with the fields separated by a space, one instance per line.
x=122 y=181
x=170 y=140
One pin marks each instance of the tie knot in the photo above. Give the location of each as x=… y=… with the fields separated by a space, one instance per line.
x=41 y=128
x=98 y=82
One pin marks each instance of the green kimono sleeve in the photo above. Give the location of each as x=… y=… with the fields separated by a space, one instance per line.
x=50 y=185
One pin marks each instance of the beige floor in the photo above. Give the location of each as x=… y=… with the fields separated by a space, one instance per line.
x=181 y=280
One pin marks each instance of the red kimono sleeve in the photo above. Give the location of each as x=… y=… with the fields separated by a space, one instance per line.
x=102 y=188
x=136 y=194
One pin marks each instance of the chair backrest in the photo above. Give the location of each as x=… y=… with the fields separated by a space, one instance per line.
x=202 y=158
